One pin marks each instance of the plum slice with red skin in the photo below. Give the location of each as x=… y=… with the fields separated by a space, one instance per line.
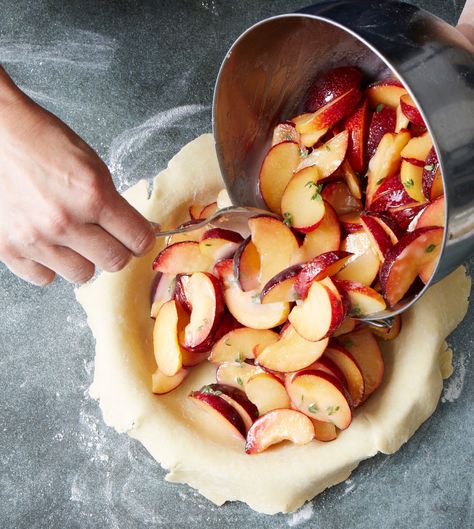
x=379 y=238
x=325 y=238
x=350 y=368
x=276 y=171
x=267 y=234
x=381 y=122
x=239 y=344
x=161 y=290
x=364 y=348
x=364 y=300
x=228 y=417
x=218 y=243
x=202 y=293
x=324 y=265
x=182 y=258
x=221 y=233
x=330 y=113
x=224 y=271
x=388 y=224
x=179 y=293
x=385 y=92
x=282 y=286
x=285 y=131
x=358 y=126
x=432 y=180
x=411 y=110
x=385 y=162
x=240 y=397
x=277 y=426
x=417 y=149
x=404 y=215
x=191 y=358
x=162 y=384
x=236 y=374
x=267 y=392
x=364 y=265
x=302 y=202
x=328 y=157
x=167 y=350
x=291 y=352
x=402 y=122
x=403 y=263
x=228 y=323
x=433 y=214
x=321 y=312
x=331 y=85
x=340 y=198
x=390 y=194
x=328 y=366
x=351 y=179
x=320 y=396
x=244 y=306
x=247 y=265
x=247 y=310
x=411 y=177
x=195 y=211
x=348 y=325
x=350 y=222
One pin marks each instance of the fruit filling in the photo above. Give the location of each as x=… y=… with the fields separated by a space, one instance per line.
x=356 y=186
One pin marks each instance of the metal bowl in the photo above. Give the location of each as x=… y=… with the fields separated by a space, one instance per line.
x=268 y=70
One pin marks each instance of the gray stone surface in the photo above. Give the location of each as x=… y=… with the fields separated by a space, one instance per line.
x=135 y=79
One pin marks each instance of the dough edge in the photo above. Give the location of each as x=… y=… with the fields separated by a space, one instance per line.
x=282 y=479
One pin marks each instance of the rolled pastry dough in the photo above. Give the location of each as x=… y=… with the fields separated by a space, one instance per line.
x=283 y=478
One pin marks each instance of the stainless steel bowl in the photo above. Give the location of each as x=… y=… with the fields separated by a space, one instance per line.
x=268 y=70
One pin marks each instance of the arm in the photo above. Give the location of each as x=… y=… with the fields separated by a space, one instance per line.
x=59 y=210
x=466 y=21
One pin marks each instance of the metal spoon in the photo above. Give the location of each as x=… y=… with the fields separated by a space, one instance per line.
x=231 y=218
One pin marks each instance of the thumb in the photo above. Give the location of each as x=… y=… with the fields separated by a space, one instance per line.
x=126 y=224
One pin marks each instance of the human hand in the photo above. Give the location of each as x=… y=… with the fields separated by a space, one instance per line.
x=59 y=210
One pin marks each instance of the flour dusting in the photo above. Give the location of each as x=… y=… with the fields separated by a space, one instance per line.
x=301 y=516
x=454 y=385
x=350 y=486
x=92 y=437
x=79 y=48
x=211 y=6
x=129 y=150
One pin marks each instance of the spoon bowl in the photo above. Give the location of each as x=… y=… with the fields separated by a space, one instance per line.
x=231 y=218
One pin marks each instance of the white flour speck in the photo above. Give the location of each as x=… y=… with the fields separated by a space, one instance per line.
x=303 y=515
x=453 y=387
x=92 y=437
x=210 y=5
x=348 y=489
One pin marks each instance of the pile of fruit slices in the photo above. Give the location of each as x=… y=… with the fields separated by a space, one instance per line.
x=361 y=160
x=291 y=363
x=276 y=312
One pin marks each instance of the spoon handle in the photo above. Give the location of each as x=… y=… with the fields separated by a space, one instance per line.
x=221 y=216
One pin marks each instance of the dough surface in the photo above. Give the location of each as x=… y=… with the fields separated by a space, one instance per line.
x=283 y=478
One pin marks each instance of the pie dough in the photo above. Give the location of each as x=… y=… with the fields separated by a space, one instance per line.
x=170 y=427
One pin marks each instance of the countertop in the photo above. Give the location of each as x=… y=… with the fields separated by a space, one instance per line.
x=135 y=79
